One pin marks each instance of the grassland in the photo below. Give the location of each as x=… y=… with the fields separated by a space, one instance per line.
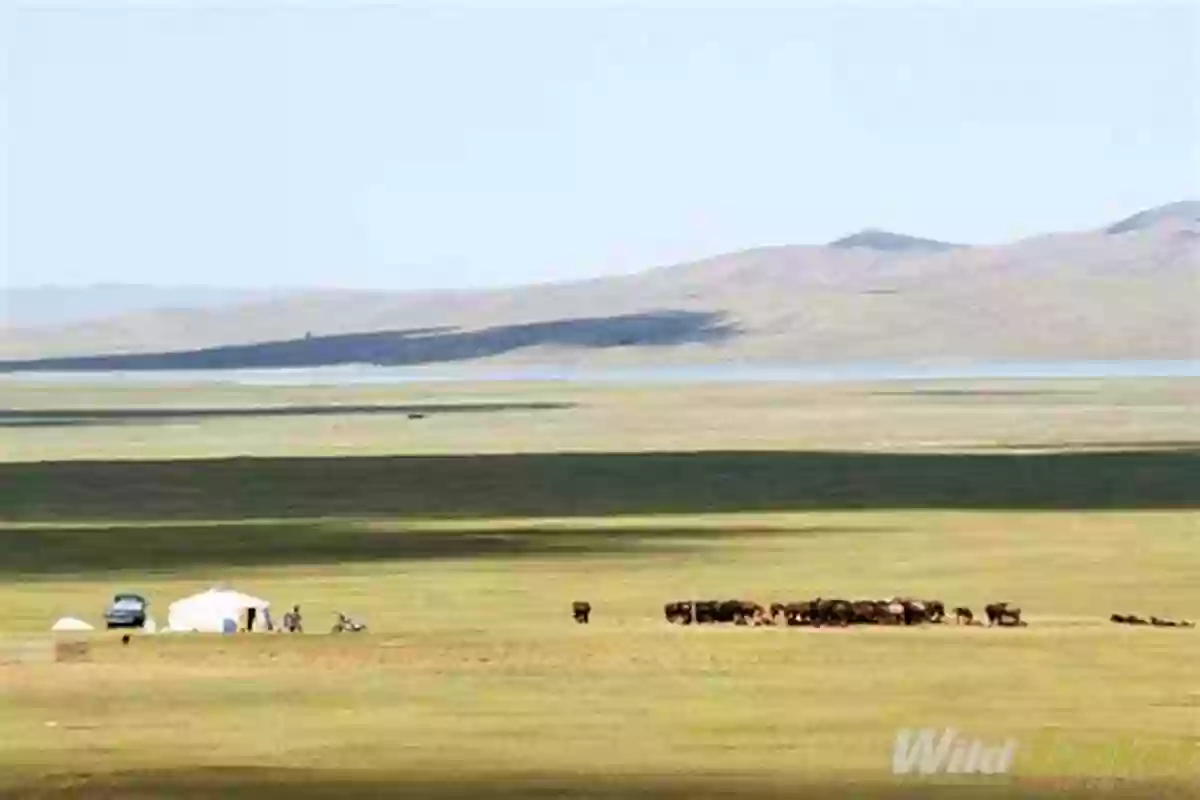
x=474 y=680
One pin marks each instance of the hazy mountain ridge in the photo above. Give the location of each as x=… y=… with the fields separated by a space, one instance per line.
x=1130 y=290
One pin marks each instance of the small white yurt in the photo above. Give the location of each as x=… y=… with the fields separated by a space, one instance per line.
x=71 y=624
x=217 y=610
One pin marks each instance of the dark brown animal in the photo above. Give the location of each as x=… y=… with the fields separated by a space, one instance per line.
x=739 y=612
x=679 y=612
x=581 y=610
x=935 y=611
x=963 y=615
x=1004 y=615
x=868 y=612
x=832 y=612
x=914 y=611
x=794 y=614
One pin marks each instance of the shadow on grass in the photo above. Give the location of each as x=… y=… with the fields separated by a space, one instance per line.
x=21 y=418
x=70 y=552
x=298 y=784
x=593 y=484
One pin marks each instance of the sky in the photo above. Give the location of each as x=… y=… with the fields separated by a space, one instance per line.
x=400 y=146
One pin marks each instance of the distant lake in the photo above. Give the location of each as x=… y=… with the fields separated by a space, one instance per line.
x=710 y=373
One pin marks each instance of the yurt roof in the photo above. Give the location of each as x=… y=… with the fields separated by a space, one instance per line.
x=225 y=598
x=71 y=624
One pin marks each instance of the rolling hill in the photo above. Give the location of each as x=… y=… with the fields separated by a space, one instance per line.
x=1130 y=290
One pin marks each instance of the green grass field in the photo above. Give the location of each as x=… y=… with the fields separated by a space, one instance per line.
x=475 y=681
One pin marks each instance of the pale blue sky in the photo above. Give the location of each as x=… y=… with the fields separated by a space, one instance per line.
x=398 y=147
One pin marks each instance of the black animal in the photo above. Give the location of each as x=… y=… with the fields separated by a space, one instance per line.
x=867 y=612
x=705 y=612
x=963 y=615
x=794 y=614
x=681 y=612
x=581 y=610
x=1004 y=615
x=832 y=612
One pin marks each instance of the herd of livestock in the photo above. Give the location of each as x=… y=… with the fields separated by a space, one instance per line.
x=822 y=612
x=834 y=612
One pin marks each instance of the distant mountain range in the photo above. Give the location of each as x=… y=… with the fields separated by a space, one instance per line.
x=1130 y=290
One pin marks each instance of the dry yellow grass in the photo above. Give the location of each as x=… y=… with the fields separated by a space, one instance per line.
x=474 y=681
x=936 y=417
x=474 y=669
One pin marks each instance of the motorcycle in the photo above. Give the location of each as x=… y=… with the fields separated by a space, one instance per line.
x=348 y=625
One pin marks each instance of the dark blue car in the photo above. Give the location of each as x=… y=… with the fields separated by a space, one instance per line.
x=128 y=610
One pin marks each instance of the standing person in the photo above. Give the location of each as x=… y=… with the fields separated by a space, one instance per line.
x=292 y=622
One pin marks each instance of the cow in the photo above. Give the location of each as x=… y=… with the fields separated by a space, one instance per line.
x=794 y=614
x=832 y=612
x=1170 y=623
x=581 y=610
x=963 y=615
x=935 y=611
x=894 y=611
x=706 y=611
x=913 y=611
x=1004 y=615
x=867 y=612
x=680 y=611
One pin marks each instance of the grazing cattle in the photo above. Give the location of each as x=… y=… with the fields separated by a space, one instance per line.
x=680 y=612
x=868 y=612
x=913 y=611
x=581 y=610
x=1170 y=623
x=891 y=612
x=706 y=611
x=1134 y=619
x=963 y=615
x=794 y=614
x=832 y=612
x=739 y=612
x=935 y=611
x=1004 y=615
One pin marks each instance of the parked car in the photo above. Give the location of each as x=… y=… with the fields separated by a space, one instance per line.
x=128 y=610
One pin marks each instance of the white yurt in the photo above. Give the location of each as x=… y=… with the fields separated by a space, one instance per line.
x=219 y=610
x=71 y=624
